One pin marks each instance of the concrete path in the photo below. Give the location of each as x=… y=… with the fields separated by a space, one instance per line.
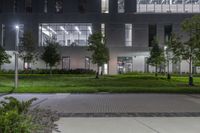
x=129 y=125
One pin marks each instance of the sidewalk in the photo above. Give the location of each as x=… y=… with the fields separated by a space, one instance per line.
x=122 y=113
x=129 y=125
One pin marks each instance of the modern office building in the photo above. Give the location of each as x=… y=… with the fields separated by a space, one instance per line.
x=129 y=27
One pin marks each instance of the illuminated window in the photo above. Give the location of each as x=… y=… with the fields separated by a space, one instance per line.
x=3 y=34
x=87 y=63
x=121 y=6
x=59 y=6
x=128 y=35
x=124 y=64
x=27 y=64
x=66 y=63
x=104 y=6
x=66 y=34
x=168 y=6
x=45 y=6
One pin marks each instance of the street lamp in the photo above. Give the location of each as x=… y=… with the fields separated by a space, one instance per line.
x=16 y=55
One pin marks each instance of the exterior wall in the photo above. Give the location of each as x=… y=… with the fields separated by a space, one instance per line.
x=115 y=29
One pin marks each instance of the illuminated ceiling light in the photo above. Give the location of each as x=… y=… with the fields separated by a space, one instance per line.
x=76 y=28
x=45 y=31
x=17 y=27
x=51 y=29
x=90 y=29
x=62 y=28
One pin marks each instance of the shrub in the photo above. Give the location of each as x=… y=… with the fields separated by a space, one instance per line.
x=54 y=71
x=16 y=117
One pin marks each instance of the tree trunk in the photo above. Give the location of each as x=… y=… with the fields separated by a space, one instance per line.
x=51 y=70
x=102 y=69
x=97 y=73
x=190 y=73
x=156 y=74
x=168 y=74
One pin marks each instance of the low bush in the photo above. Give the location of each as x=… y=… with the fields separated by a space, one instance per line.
x=16 y=117
x=54 y=71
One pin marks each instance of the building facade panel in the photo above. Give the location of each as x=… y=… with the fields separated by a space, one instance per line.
x=84 y=11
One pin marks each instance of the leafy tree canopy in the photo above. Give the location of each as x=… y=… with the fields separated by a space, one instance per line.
x=51 y=56
x=4 y=57
x=27 y=48
x=97 y=45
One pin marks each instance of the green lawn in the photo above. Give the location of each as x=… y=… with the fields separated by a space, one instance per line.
x=134 y=83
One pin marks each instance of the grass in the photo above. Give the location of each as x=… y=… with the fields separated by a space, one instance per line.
x=129 y=83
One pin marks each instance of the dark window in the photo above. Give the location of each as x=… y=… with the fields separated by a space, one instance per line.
x=28 y=6
x=82 y=6
x=0 y=7
x=45 y=6
x=15 y=6
x=59 y=6
x=152 y=33
x=168 y=32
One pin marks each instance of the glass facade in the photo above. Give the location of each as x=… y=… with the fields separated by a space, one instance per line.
x=103 y=30
x=104 y=6
x=168 y=6
x=66 y=63
x=121 y=6
x=66 y=34
x=167 y=32
x=128 y=35
x=124 y=64
x=20 y=35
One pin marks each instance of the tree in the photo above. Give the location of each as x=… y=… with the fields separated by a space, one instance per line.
x=100 y=53
x=27 y=48
x=51 y=56
x=157 y=57
x=169 y=54
x=188 y=48
x=4 y=57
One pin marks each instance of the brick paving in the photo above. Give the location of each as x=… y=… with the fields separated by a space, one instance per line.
x=132 y=105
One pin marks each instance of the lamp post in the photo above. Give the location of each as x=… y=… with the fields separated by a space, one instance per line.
x=16 y=55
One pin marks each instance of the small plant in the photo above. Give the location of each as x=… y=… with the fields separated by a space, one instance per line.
x=14 y=118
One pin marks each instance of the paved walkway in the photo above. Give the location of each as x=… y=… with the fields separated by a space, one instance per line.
x=81 y=105
x=130 y=125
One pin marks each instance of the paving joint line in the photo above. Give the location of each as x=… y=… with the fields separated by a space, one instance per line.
x=151 y=128
x=175 y=114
